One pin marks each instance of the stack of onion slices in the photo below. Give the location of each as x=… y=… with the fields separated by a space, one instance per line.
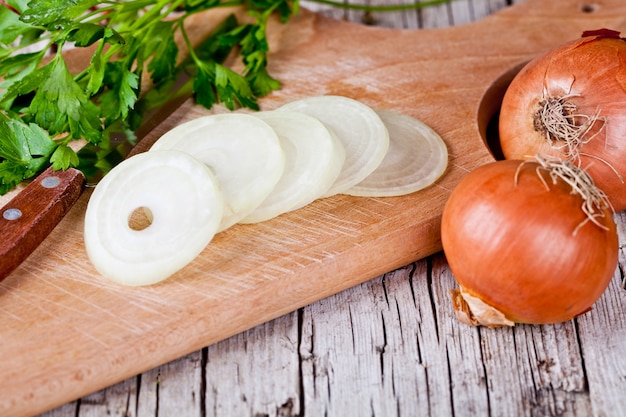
x=213 y=172
x=528 y=242
x=571 y=103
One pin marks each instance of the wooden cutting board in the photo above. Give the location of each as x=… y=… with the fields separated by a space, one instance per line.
x=66 y=332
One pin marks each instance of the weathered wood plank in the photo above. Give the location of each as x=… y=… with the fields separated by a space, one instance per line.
x=602 y=335
x=163 y=390
x=255 y=373
x=368 y=352
x=461 y=346
x=411 y=356
x=550 y=375
x=118 y=401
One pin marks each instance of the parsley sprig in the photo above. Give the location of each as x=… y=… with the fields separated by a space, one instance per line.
x=44 y=107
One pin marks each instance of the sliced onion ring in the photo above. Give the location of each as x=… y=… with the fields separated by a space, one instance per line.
x=361 y=131
x=182 y=198
x=314 y=158
x=242 y=150
x=417 y=157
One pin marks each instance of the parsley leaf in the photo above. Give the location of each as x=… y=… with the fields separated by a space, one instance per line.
x=24 y=150
x=254 y=49
x=165 y=51
x=44 y=106
x=12 y=28
x=121 y=94
x=63 y=158
x=215 y=83
x=56 y=14
x=15 y=69
x=60 y=105
x=86 y=34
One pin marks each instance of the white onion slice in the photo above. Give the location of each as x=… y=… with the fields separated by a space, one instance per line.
x=242 y=150
x=417 y=157
x=314 y=158
x=181 y=196
x=361 y=131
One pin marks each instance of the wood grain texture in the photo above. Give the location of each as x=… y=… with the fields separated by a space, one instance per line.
x=71 y=333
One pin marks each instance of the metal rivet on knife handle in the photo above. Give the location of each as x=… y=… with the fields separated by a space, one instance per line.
x=34 y=212
x=12 y=213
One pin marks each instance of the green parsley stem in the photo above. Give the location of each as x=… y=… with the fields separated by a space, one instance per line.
x=148 y=19
x=389 y=8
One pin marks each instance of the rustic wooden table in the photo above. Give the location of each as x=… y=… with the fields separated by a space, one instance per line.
x=391 y=346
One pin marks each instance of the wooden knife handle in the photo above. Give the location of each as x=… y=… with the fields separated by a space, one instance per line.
x=30 y=216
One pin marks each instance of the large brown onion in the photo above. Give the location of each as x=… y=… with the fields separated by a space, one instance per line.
x=522 y=248
x=580 y=88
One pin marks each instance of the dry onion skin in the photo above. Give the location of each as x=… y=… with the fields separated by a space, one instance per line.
x=571 y=103
x=362 y=133
x=416 y=158
x=525 y=247
x=181 y=199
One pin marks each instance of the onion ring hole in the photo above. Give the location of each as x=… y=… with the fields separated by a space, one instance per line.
x=140 y=219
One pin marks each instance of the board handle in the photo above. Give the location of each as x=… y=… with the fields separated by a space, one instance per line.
x=27 y=219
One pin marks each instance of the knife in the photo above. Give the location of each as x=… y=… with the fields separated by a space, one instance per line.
x=27 y=219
